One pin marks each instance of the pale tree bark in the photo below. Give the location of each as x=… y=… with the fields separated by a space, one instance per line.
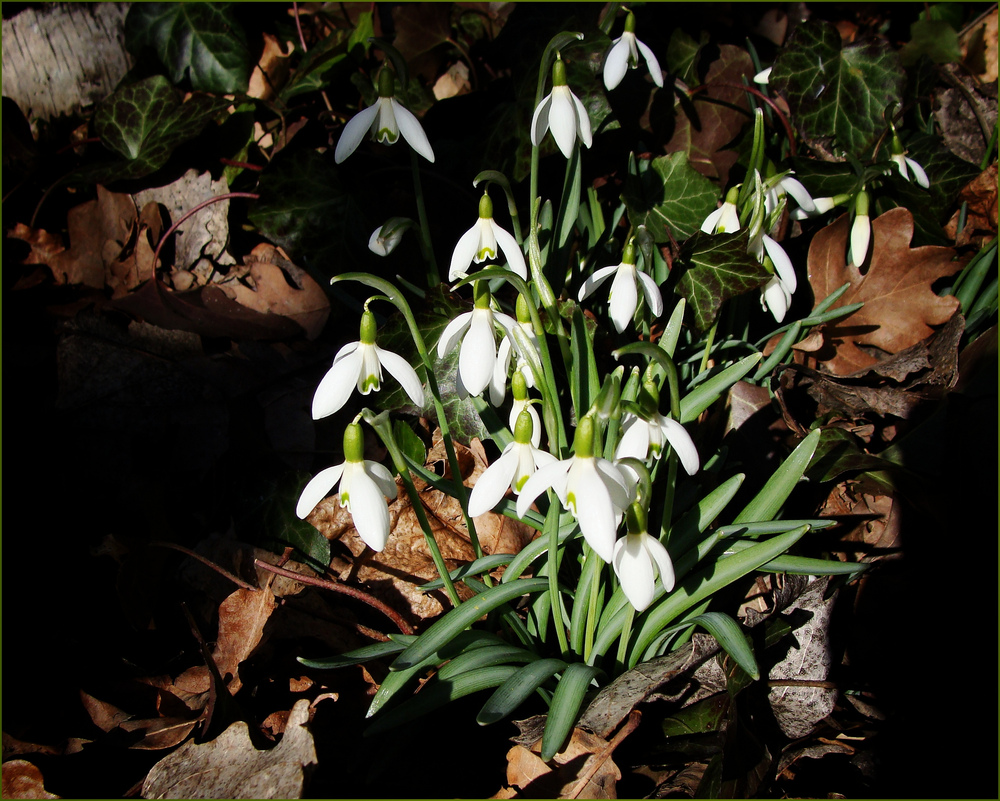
x=59 y=59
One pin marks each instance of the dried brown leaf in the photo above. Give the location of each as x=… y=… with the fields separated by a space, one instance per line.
x=21 y=779
x=231 y=767
x=583 y=770
x=242 y=617
x=900 y=304
x=981 y=213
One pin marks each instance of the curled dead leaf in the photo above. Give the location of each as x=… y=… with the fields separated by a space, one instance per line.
x=21 y=779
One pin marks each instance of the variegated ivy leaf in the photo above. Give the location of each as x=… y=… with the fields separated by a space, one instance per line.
x=669 y=197
x=145 y=121
x=716 y=267
x=837 y=93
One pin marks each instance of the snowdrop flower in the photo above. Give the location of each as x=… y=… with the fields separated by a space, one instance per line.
x=518 y=462
x=861 y=232
x=763 y=77
x=478 y=354
x=591 y=488
x=645 y=431
x=359 y=364
x=776 y=294
x=821 y=206
x=639 y=558
x=385 y=238
x=725 y=219
x=385 y=120
x=906 y=164
x=480 y=243
x=498 y=385
x=624 y=53
x=563 y=113
x=787 y=184
x=624 y=296
x=364 y=486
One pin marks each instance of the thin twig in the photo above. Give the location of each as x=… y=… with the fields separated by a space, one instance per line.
x=602 y=756
x=375 y=603
x=220 y=570
x=774 y=107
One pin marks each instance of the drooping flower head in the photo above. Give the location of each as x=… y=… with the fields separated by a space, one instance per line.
x=624 y=295
x=561 y=112
x=591 y=488
x=861 y=231
x=364 y=487
x=384 y=120
x=480 y=244
x=639 y=559
x=359 y=364
x=725 y=219
x=508 y=348
x=645 y=431
x=624 y=53
x=478 y=354
x=387 y=236
x=905 y=164
x=517 y=463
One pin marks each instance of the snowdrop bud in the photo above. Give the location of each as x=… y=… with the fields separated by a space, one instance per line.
x=385 y=238
x=861 y=231
x=522 y=310
x=486 y=207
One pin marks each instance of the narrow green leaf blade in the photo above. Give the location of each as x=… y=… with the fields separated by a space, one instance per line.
x=779 y=486
x=565 y=706
x=513 y=692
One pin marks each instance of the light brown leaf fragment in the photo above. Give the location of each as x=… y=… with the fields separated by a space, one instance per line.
x=231 y=767
x=583 y=770
x=900 y=304
x=980 y=195
x=21 y=779
x=242 y=617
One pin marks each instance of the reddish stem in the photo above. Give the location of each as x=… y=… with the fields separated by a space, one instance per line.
x=355 y=593
x=220 y=570
x=246 y=165
x=199 y=207
x=774 y=107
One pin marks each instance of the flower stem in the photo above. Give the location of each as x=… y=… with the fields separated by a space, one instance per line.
x=595 y=586
x=433 y=277
x=626 y=633
x=552 y=529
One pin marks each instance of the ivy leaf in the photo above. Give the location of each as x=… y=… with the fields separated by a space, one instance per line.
x=306 y=210
x=669 y=197
x=837 y=94
x=717 y=267
x=145 y=121
x=682 y=55
x=200 y=41
x=933 y=38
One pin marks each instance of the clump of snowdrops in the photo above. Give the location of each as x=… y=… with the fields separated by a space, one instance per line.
x=594 y=460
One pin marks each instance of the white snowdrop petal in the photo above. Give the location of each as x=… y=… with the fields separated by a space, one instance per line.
x=682 y=444
x=582 y=121
x=623 y=297
x=782 y=264
x=382 y=477
x=452 y=333
x=562 y=120
x=652 y=293
x=616 y=64
x=493 y=483
x=596 y=278
x=412 y=130
x=651 y=63
x=339 y=382
x=918 y=173
x=511 y=250
x=401 y=370
x=354 y=131
x=463 y=254
x=317 y=489
x=664 y=566
x=635 y=572
x=540 y=120
x=367 y=506
x=479 y=353
x=544 y=478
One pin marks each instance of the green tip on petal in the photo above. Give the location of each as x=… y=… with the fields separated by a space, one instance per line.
x=583 y=440
x=558 y=72
x=354 y=443
x=386 y=83
x=486 y=207
x=524 y=428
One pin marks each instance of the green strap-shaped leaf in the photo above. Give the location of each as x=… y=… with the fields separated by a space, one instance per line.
x=462 y=616
x=710 y=390
x=699 y=586
x=779 y=486
x=437 y=693
x=200 y=41
x=838 y=93
x=688 y=530
x=358 y=655
x=730 y=636
x=483 y=565
x=565 y=706
x=586 y=383
x=513 y=692
x=717 y=267
x=484 y=657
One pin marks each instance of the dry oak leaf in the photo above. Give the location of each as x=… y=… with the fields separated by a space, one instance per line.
x=231 y=767
x=981 y=215
x=900 y=304
x=271 y=284
x=585 y=759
